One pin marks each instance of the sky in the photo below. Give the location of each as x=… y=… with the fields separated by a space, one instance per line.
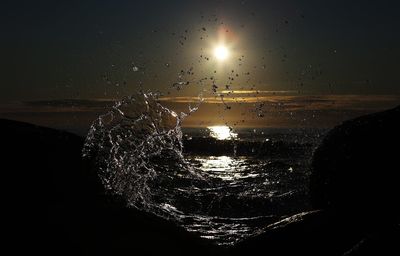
x=279 y=52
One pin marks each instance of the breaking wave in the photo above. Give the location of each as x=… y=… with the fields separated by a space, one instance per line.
x=132 y=143
x=222 y=190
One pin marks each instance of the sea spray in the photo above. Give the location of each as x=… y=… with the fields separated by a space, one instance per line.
x=132 y=143
x=138 y=150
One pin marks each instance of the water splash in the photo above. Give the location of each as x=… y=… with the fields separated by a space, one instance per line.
x=137 y=148
x=131 y=143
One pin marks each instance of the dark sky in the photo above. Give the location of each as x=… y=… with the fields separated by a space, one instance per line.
x=89 y=49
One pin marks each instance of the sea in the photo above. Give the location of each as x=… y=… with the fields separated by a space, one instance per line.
x=223 y=183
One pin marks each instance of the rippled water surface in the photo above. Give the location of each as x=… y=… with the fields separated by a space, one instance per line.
x=220 y=183
x=239 y=196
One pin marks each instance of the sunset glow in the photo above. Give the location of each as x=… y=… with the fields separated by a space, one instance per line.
x=222 y=132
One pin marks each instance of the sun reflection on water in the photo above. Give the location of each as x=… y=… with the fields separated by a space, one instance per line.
x=222 y=132
x=224 y=167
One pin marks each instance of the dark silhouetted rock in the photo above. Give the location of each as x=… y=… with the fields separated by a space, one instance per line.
x=58 y=205
x=55 y=204
x=355 y=188
x=356 y=167
x=308 y=233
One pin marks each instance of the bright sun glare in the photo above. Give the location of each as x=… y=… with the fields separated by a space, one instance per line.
x=221 y=52
x=221 y=132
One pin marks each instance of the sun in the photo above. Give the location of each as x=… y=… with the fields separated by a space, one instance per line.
x=221 y=52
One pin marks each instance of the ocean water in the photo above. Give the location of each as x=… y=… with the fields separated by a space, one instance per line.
x=224 y=184
x=251 y=180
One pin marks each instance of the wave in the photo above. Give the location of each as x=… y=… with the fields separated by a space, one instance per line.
x=142 y=156
x=127 y=144
x=261 y=149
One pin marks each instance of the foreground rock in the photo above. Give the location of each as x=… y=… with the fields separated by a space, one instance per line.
x=57 y=206
x=355 y=169
x=355 y=188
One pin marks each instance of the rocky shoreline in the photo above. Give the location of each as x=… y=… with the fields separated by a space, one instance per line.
x=56 y=205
